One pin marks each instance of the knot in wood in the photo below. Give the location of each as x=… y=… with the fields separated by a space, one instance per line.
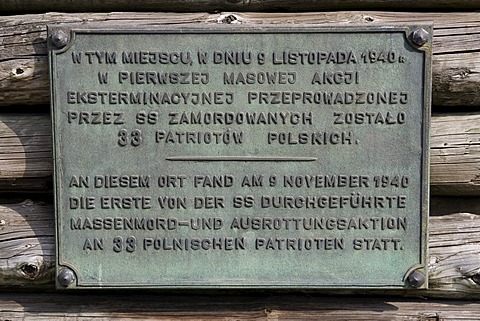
x=368 y=19
x=21 y=72
x=30 y=271
x=229 y=19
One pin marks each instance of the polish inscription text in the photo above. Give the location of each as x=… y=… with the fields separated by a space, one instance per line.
x=241 y=151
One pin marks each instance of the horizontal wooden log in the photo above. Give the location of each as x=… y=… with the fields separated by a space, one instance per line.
x=26 y=159
x=28 y=252
x=238 y=5
x=455 y=155
x=454 y=255
x=27 y=244
x=25 y=152
x=253 y=307
x=456 y=61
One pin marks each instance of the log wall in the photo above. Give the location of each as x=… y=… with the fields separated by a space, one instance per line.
x=456 y=49
x=236 y=5
x=27 y=241
x=26 y=160
x=27 y=233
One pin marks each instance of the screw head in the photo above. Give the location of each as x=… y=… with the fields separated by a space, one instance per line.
x=59 y=38
x=416 y=279
x=66 y=277
x=420 y=37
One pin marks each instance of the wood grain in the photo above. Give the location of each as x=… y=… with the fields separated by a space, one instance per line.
x=456 y=49
x=27 y=244
x=239 y=5
x=455 y=255
x=25 y=152
x=27 y=240
x=455 y=140
x=253 y=307
x=28 y=252
x=26 y=156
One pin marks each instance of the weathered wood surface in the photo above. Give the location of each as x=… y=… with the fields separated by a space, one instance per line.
x=259 y=307
x=239 y=5
x=455 y=154
x=25 y=152
x=27 y=244
x=28 y=251
x=456 y=61
x=26 y=159
x=454 y=246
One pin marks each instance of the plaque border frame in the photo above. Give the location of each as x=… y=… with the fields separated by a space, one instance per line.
x=98 y=28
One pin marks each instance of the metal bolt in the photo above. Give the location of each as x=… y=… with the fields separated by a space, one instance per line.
x=416 y=279
x=420 y=36
x=66 y=277
x=59 y=38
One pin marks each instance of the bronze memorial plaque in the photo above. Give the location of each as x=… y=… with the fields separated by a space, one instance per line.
x=241 y=157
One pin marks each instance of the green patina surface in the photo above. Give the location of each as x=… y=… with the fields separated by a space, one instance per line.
x=241 y=157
